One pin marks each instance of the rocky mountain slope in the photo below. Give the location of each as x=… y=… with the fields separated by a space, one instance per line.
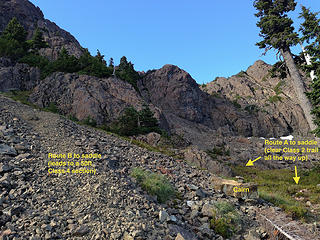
x=252 y=104
x=179 y=103
x=271 y=100
x=226 y=117
x=108 y=204
x=31 y=18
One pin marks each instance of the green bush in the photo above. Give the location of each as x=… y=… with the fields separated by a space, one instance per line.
x=89 y=121
x=251 y=109
x=242 y=74
x=11 y=49
x=52 y=108
x=225 y=218
x=35 y=60
x=154 y=184
x=236 y=104
x=278 y=87
x=134 y=122
x=275 y=99
x=221 y=227
x=218 y=151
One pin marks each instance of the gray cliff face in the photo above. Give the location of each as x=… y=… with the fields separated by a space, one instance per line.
x=211 y=110
x=83 y=96
x=174 y=91
x=271 y=100
x=32 y=17
x=17 y=76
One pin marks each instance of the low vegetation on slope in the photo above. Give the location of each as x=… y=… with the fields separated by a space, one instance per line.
x=278 y=187
x=154 y=184
x=226 y=220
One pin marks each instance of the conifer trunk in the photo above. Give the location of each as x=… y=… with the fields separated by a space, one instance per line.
x=299 y=87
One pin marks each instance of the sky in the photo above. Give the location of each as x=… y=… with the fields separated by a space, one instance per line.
x=207 y=38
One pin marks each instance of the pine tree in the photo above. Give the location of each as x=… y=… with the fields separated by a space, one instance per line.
x=123 y=63
x=310 y=30
x=15 y=31
x=37 y=42
x=100 y=57
x=12 y=41
x=277 y=32
x=111 y=62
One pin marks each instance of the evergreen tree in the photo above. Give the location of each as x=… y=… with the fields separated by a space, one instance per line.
x=111 y=63
x=37 y=42
x=100 y=58
x=12 y=41
x=126 y=72
x=123 y=63
x=310 y=29
x=147 y=119
x=277 y=32
x=15 y=31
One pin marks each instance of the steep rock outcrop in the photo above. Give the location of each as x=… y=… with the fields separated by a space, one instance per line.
x=174 y=90
x=199 y=115
x=17 y=76
x=270 y=100
x=32 y=17
x=83 y=96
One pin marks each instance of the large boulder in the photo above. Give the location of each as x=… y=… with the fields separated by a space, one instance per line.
x=235 y=189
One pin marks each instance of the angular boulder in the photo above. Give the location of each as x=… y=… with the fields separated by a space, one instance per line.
x=236 y=189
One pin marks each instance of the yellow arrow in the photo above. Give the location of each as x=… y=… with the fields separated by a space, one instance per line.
x=250 y=162
x=296 y=178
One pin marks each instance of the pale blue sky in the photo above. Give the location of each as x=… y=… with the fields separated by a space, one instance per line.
x=207 y=38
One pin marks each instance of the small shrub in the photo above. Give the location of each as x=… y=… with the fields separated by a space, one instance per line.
x=242 y=74
x=275 y=99
x=89 y=121
x=251 y=109
x=215 y=94
x=52 y=108
x=225 y=218
x=236 y=104
x=237 y=97
x=218 y=151
x=154 y=184
x=221 y=227
x=73 y=118
x=277 y=88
